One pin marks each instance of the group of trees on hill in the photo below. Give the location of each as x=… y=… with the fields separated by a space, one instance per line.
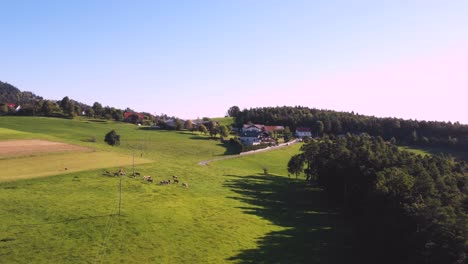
x=33 y=105
x=11 y=94
x=407 y=208
x=409 y=132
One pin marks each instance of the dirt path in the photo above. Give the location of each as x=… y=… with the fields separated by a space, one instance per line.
x=205 y=162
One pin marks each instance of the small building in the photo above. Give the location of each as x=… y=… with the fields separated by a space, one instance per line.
x=303 y=132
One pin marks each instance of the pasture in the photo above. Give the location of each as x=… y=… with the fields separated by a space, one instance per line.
x=231 y=212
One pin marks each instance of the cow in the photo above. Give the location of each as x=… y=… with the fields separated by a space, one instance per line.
x=148 y=178
x=185 y=185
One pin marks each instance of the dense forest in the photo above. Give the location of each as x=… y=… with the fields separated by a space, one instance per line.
x=406 y=208
x=400 y=131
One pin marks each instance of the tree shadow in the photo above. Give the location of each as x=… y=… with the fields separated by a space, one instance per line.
x=314 y=233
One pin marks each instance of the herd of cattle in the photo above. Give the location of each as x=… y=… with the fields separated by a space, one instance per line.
x=149 y=179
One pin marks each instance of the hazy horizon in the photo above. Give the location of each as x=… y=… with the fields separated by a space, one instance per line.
x=196 y=59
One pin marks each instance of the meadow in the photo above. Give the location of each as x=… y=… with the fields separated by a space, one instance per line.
x=231 y=211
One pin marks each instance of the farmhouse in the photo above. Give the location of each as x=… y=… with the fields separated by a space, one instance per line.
x=254 y=134
x=262 y=128
x=303 y=132
x=250 y=138
x=133 y=117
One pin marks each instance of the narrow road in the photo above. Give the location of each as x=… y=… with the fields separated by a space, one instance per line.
x=205 y=162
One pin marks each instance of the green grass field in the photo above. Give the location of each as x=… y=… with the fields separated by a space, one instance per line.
x=231 y=212
x=459 y=154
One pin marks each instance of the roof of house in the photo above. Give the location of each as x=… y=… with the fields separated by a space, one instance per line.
x=250 y=134
x=253 y=125
x=128 y=114
x=303 y=129
x=273 y=128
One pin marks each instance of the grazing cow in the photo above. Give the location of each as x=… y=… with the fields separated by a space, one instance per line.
x=185 y=185
x=176 y=181
x=148 y=178
x=116 y=174
x=174 y=177
x=136 y=174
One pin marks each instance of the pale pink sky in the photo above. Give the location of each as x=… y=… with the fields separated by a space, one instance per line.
x=198 y=58
x=424 y=87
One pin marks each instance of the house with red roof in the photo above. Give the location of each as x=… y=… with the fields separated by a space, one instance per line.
x=129 y=115
x=273 y=129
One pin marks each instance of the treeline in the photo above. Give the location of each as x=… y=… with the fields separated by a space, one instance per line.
x=406 y=208
x=11 y=94
x=33 y=105
x=400 y=131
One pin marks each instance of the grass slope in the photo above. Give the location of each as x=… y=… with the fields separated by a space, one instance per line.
x=231 y=212
x=46 y=165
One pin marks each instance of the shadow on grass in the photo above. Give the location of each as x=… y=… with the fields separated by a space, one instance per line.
x=314 y=233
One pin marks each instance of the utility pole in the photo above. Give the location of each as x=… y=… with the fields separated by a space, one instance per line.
x=133 y=166
x=120 y=193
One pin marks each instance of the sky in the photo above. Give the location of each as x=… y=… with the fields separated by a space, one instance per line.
x=197 y=58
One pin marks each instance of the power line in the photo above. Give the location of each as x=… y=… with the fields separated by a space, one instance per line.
x=108 y=230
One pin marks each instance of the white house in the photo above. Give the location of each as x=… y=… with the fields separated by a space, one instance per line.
x=303 y=132
x=250 y=138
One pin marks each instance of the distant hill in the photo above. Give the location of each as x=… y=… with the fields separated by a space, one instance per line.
x=11 y=94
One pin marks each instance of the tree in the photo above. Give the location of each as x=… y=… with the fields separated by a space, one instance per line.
x=236 y=145
x=394 y=182
x=49 y=107
x=89 y=112
x=223 y=132
x=4 y=109
x=233 y=111
x=37 y=106
x=117 y=114
x=202 y=129
x=319 y=127
x=178 y=124
x=296 y=164
x=214 y=131
x=97 y=107
x=287 y=134
x=112 y=138
x=65 y=104
x=188 y=125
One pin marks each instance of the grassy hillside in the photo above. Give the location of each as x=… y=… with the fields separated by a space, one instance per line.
x=231 y=212
x=459 y=154
x=226 y=121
